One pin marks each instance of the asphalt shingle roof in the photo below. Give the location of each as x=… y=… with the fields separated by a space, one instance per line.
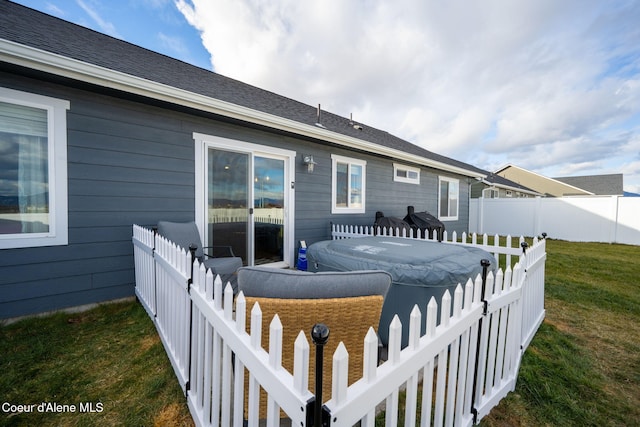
x=35 y=29
x=606 y=185
x=500 y=180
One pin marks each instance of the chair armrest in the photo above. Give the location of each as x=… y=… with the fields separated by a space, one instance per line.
x=212 y=255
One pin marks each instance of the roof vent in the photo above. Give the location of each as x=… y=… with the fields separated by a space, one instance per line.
x=318 y=117
x=355 y=125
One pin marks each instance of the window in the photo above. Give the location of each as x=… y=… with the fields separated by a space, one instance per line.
x=33 y=170
x=348 y=185
x=490 y=193
x=448 y=198
x=406 y=174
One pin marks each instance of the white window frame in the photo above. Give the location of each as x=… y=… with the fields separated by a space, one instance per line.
x=397 y=167
x=335 y=159
x=58 y=233
x=448 y=217
x=491 y=193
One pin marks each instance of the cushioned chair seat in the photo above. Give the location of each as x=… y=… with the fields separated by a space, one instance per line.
x=223 y=266
x=185 y=234
x=295 y=284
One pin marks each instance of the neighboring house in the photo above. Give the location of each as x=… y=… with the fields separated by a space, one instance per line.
x=97 y=134
x=546 y=186
x=588 y=185
x=497 y=187
x=601 y=185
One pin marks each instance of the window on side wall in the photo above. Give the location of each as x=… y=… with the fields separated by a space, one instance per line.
x=408 y=174
x=33 y=170
x=448 y=197
x=348 y=185
x=490 y=193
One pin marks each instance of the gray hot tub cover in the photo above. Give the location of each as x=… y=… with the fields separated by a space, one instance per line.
x=419 y=269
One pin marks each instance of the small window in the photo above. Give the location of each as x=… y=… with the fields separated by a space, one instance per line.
x=449 y=194
x=408 y=174
x=348 y=185
x=33 y=170
x=509 y=193
x=490 y=193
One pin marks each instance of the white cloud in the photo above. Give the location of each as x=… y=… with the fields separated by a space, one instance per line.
x=157 y=4
x=103 y=25
x=55 y=10
x=538 y=83
x=174 y=44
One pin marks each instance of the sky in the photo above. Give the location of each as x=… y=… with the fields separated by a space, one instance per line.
x=550 y=86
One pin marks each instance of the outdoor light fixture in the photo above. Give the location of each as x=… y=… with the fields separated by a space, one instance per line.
x=308 y=160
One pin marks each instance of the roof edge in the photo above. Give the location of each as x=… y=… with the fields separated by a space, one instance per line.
x=38 y=59
x=511 y=165
x=510 y=187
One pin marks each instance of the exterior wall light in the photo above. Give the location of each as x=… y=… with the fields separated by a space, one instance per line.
x=307 y=159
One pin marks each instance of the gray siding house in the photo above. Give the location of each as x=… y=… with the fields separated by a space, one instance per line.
x=97 y=134
x=497 y=187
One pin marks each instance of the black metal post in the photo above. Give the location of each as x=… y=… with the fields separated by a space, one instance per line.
x=320 y=336
x=192 y=250
x=544 y=236
x=485 y=263
x=524 y=246
x=187 y=387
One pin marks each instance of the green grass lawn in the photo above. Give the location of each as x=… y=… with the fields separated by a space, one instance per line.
x=583 y=366
x=581 y=369
x=110 y=357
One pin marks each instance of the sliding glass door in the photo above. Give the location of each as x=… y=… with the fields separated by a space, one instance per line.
x=249 y=201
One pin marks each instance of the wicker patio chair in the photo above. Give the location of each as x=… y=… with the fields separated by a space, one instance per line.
x=347 y=302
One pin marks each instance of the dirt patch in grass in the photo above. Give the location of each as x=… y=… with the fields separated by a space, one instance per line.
x=172 y=415
x=148 y=342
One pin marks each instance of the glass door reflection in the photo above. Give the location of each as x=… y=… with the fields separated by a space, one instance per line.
x=228 y=207
x=268 y=212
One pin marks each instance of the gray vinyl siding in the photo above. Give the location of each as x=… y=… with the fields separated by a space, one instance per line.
x=129 y=162
x=476 y=189
x=313 y=195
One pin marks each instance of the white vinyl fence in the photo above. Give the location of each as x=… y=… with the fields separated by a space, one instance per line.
x=464 y=365
x=608 y=219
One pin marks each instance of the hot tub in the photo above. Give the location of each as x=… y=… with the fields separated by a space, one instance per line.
x=419 y=269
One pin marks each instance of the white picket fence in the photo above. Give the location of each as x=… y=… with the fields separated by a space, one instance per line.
x=201 y=328
x=465 y=364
